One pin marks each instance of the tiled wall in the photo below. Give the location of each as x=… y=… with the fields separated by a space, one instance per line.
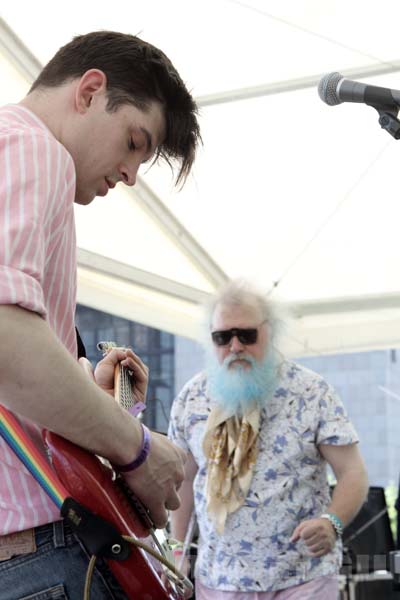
x=369 y=385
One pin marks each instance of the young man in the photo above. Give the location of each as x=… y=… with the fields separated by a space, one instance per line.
x=259 y=431
x=105 y=103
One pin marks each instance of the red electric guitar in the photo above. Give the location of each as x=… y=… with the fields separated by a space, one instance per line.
x=94 y=484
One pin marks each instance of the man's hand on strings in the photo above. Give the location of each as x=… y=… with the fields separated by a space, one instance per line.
x=157 y=481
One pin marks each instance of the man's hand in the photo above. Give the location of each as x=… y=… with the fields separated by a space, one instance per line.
x=157 y=481
x=318 y=535
x=104 y=371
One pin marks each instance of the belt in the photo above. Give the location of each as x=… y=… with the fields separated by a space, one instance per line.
x=14 y=544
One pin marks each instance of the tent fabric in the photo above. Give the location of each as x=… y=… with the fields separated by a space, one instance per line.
x=298 y=197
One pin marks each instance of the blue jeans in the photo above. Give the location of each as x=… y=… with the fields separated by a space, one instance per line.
x=56 y=571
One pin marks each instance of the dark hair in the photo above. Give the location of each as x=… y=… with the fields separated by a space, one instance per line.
x=137 y=73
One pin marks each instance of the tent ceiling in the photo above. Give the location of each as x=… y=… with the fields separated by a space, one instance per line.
x=298 y=197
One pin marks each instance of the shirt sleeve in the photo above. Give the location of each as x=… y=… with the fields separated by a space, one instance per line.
x=334 y=426
x=176 y=428
x=32 y=164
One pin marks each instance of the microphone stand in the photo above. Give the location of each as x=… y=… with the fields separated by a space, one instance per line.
x=365 y=526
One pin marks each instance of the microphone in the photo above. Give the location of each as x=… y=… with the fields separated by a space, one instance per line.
x=334 y=89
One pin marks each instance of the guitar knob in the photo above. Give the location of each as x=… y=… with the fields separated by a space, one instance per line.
x=116 y=549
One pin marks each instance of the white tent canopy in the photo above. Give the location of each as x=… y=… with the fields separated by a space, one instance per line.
x=296 y=196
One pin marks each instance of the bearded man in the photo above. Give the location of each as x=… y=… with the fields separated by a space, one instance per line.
x=259 y=431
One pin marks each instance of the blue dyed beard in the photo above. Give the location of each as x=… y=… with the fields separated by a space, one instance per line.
x=238 y=389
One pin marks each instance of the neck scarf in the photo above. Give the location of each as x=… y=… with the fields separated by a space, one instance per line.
x=231 y=446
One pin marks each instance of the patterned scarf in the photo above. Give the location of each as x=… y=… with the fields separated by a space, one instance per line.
x=231 y=447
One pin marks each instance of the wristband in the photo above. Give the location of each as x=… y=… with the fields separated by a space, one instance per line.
x=175 y=544
x=141 y=457
x=137 y=408
x=335 y=521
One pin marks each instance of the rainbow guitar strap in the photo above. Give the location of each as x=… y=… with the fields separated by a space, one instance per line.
x=99 y=536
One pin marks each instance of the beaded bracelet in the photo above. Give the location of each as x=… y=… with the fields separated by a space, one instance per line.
x=141 y=457
x=336 y=522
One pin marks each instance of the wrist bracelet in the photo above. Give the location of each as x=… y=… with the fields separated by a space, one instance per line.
x=141 y=457
x=175 y=544
x=336 y=522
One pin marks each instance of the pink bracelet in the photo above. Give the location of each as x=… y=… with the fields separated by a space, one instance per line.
x=141 y=457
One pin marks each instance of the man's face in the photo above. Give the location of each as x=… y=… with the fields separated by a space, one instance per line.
x=241 y=317
x=109 y=147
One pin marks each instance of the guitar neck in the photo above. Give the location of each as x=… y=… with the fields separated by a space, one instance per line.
x=123 y=387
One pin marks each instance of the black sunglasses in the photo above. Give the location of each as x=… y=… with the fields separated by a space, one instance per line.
x=246 y=336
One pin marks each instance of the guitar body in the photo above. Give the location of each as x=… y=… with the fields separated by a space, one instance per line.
x=91 y=483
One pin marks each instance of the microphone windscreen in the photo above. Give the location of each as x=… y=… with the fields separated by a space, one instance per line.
x=327 y=88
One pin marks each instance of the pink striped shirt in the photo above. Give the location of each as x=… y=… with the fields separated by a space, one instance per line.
x=37 y=272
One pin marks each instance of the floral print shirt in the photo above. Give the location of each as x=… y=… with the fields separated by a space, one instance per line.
x=289 y=484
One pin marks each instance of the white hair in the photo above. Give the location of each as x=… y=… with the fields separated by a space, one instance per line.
x=239 y=292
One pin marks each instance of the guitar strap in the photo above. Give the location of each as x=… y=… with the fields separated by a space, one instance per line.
x=39 y=468
x=100 y=537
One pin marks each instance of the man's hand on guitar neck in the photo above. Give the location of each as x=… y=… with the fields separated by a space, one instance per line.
x=157 y=481
x=105 y=368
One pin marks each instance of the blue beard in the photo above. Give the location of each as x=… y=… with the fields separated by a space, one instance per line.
x=238 y=389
